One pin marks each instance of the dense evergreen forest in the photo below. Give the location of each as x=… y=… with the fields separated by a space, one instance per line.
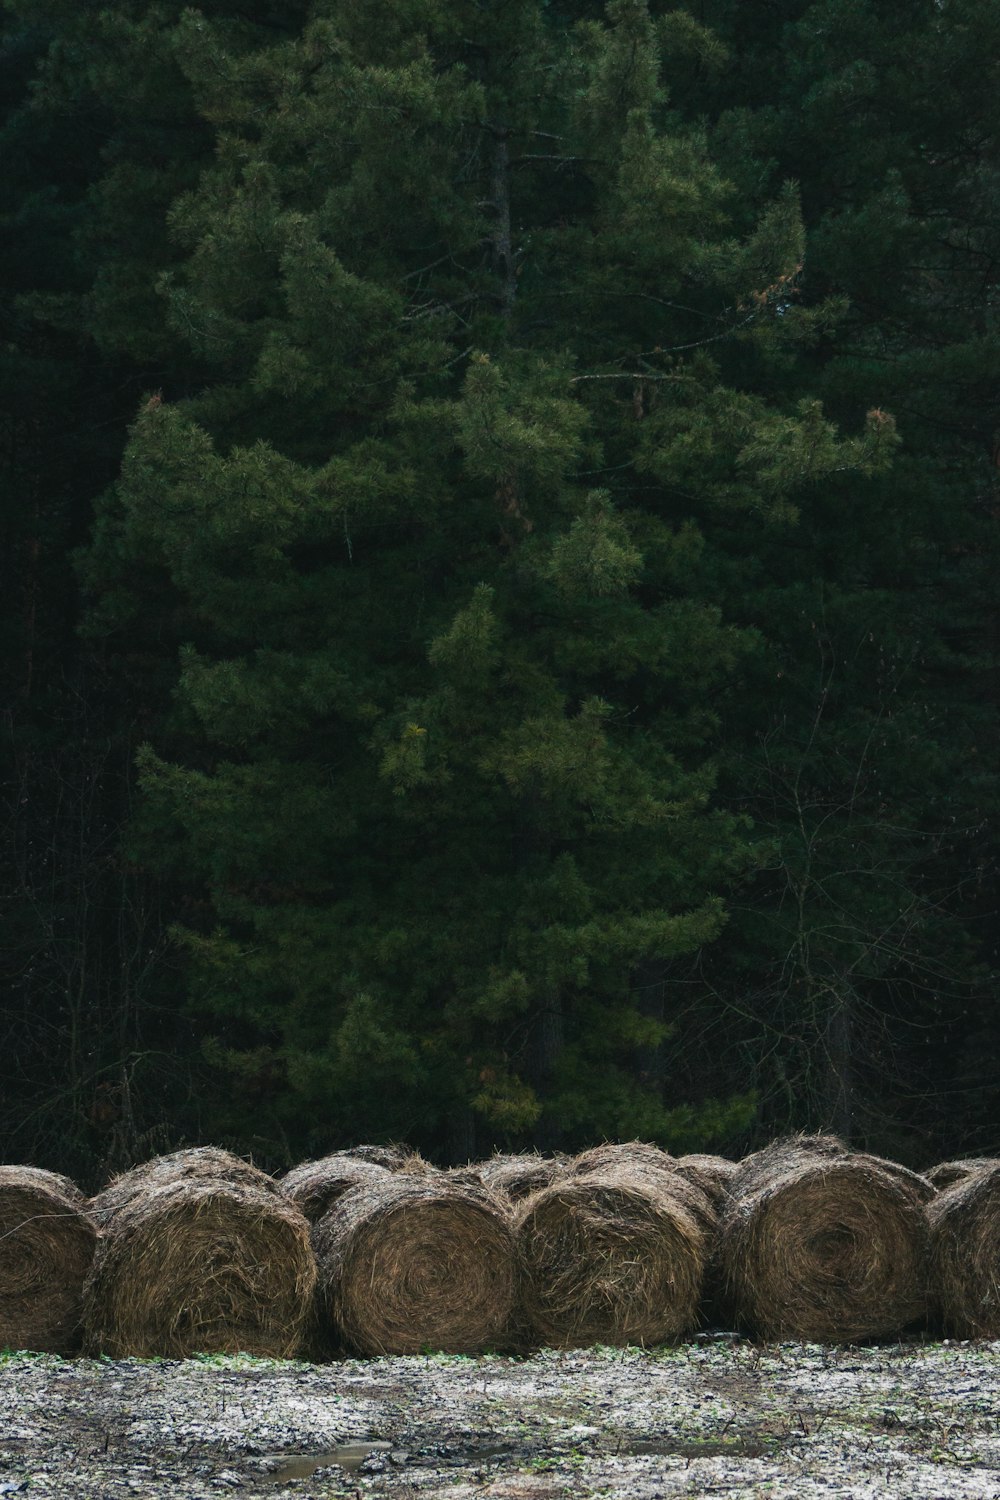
x=500 y=533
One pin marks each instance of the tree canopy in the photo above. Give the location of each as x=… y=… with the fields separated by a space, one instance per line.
x=530 y=487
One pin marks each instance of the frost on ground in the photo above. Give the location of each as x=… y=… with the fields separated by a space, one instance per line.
x=714 y=1417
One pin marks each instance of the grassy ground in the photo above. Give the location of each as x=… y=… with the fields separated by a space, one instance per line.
x=713 y=1417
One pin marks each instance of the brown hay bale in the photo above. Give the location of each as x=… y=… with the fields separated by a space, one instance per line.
x=622 y=1156
x=515 y=1176
x=830 y=1248
x=964 y=1224
x=780 y=1155
x=194 y=1164
x=469 y=1175
x=393 y=1156
x=412 y=1262
x=791 y=1151
x=46 y=1248
x=201 y=1266
x=641 y=1159
x=712 y=1174
x=51 y=1180
x=316 y=1185
x=612 y=1258
x=947 y=1173
x=916 y=1182
x=414 y=1164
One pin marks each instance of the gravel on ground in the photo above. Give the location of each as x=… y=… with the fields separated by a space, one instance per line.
x=714 y=1417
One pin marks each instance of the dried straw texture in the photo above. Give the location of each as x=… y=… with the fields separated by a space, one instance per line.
x=317 y=1185
x=46 y=1247
x=51 y=1180
x=790 y=1151
x=965 y=1255
x=779 y=1155
x=712 y=1174
x=618 y=1156
x=415 y=1262
x=915 y=1182
x=516 y=1177
x=640 y=1159
x=393 y=1156
x=201 y=1266
x=195 y=1164
x=947 y=1173
x=611 y=1258
x=828 y=1248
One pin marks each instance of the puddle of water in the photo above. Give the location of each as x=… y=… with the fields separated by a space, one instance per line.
x=748 y=1447
x=349 y=1456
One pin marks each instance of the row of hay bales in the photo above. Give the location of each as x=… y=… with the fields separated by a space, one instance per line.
x=373 y=1251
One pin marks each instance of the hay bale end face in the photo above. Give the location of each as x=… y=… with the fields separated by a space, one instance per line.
x=317 y=1185
x=964 y=1224
x=47 y=1244
x=201 y=1266
x=415 y=1262
x=611 y=1258
x=194 y=1164
x=827 y=1248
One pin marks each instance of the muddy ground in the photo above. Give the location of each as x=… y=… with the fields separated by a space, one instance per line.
x=715 y=1417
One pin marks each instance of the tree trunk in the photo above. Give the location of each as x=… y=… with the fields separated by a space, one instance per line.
x=503 y=252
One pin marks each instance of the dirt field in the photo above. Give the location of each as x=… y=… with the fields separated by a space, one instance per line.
x=714 y=1417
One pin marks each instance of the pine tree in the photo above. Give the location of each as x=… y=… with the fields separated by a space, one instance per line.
x=98 y=136
x=862 y=955
x=485 y=371
x=59 y=399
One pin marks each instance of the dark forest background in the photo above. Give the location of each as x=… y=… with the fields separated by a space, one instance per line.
x=500 y=534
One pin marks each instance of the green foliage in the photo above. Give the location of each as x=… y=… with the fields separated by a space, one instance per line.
x=548 y=564
x=849 y=962
x=439 y=725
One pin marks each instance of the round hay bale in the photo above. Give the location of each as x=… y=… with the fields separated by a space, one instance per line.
x=781 y=1155
x=622 y=1156
x=199 y=1266
x=515 y=1176
x=916 y=1182
x=194 y=1164
x=50 y=1180
x=947 y=1173
x=827 y=1248
x=393 y=1156
x=712 y=1174
x=316 y=1185
x=640 y=1159
x=47 y=1245
x=469 y=1175
x=409 y=1262
x=964 y=1224
x=612 y=1258
x=791 y=1151
x=416 y=1166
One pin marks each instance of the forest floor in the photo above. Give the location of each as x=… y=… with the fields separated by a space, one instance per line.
x=714 y=1417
